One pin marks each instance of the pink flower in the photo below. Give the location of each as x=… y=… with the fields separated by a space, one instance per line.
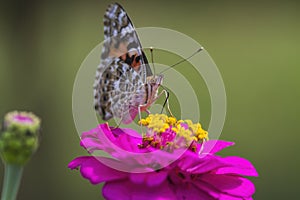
x=140 y=172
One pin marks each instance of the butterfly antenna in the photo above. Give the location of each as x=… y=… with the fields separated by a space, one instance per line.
x=182 y=60
x=152 y=60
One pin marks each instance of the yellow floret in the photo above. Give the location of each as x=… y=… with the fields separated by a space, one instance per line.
x=144 y=122
x=172 y=121
x=179 y=122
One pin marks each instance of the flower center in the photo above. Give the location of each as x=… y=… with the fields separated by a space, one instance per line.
x=168 y=133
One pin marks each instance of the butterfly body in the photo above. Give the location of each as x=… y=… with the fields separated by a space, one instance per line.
x=124 y=84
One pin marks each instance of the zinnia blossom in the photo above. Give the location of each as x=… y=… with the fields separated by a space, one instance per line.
x=171 y=161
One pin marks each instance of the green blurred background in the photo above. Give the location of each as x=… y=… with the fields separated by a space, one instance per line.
x=254 y=43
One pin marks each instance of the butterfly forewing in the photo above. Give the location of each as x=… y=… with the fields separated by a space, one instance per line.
x=122 y=40
x=122 y=74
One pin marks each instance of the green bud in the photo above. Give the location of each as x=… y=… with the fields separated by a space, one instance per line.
x=19 y=137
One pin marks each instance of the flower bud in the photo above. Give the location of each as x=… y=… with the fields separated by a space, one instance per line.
x=19 y=137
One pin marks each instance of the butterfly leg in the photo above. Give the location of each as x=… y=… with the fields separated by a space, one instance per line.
x=140 y=117
x=140 y=112
x=167 y=94
x=164 y=91
x=166 y=102
x=119 y=123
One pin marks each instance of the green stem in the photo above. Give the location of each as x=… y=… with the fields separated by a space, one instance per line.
x=12 y=179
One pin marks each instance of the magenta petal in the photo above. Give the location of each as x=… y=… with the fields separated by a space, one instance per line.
x=91 y=133
x=233 y=185
x=129 y=143
x=90 y=143
x=229 y=197
x=104 y=133
x=156 y=178
x=228 y=165
x=150 y=179
x=126 y=190
x=121 y=131
x=214 y=146
x=74 y=164
x=117 y=190
x=237 y=165
x=191 y=192
x=95 y=171
x=205 y=167
x=101 y=136
x=214 y=192
x=193 y=164
x=111 y=140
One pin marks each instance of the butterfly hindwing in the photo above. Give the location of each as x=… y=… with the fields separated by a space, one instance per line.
x=118 y=90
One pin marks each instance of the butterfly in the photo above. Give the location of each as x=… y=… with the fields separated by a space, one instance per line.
x=124 y=84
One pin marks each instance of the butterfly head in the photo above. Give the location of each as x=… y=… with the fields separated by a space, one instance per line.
x=153 y=83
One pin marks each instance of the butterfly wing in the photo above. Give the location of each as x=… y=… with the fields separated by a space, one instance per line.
x=121 y=40
x=120 y=78
x=115 y=95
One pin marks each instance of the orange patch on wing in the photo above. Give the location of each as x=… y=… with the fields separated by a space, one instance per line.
x=120 y=51
x=134 y=64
